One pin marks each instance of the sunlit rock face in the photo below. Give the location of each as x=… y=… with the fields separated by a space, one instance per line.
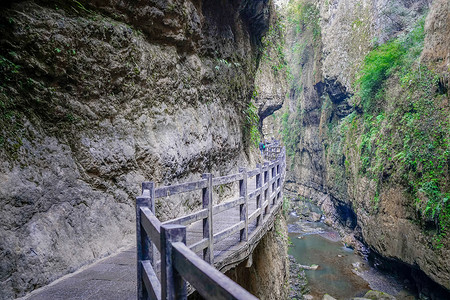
x=97 y=97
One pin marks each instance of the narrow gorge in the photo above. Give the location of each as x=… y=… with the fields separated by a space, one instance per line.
x=99 y=96
x=366 y=123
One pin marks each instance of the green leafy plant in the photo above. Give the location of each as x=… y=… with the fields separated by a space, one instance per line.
x=378 y=65
x=251 y=124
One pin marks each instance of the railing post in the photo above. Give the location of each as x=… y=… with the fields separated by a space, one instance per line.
x=266 y=187
x=151 y=187
x=243 y=208
x=143 y=243
x=277 y=180
x=259 y=179
x=173 y=286
x=273 y=186
x=208 y=253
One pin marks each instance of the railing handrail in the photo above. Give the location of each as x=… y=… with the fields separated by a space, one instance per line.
x=170 y=237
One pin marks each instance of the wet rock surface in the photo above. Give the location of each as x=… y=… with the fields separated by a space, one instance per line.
x=298 y=284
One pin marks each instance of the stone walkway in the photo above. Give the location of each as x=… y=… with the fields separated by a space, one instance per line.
x=111 y=278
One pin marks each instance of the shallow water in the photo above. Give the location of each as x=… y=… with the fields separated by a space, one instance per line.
x=341 y=273
x=334 y=275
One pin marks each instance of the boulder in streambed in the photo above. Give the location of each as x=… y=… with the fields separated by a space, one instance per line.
x=314 y=217
x=328 y=297
x=311 y=267
x=377 y=295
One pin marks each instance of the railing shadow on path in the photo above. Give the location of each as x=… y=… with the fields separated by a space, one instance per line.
x=221 y=232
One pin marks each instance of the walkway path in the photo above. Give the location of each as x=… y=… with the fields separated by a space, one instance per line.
x=110 y=278
x=115 y=277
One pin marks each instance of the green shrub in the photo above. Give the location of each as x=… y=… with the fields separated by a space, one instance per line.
x=251 y=124
x=378 y=65
x=413 y=136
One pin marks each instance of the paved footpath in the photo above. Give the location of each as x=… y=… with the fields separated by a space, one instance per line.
x=111 y=278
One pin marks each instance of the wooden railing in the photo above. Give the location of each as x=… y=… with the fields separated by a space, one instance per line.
x=180 y=263
x=273 y=150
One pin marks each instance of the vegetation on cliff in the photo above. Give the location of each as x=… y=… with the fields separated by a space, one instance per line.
x=405 y=128
x=367 y=123
x=251 y=130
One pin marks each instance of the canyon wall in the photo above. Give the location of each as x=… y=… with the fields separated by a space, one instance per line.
x=97 y=97
x=265 y=274
x=366 y=124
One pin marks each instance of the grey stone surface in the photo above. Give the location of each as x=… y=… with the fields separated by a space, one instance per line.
x=111 y=278
x=110 y=95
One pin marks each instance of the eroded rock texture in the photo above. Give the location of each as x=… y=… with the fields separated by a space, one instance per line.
x=326 y=145
x=266 y=274
x=97 y=97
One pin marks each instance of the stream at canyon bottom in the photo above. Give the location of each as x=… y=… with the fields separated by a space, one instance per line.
x=340 y=273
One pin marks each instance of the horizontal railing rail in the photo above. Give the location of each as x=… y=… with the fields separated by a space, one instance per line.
x=179 y=262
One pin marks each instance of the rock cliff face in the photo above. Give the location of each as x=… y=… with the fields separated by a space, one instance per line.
x=266 y=274
x=369 y=148
x=271 y=83
x=97 y=97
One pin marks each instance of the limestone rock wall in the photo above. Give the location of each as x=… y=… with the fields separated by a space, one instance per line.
x=97 y=97
x=271 y=84
x=325 y=134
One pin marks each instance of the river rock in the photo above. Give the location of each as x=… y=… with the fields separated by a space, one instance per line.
x=314 y=217
x=328 y=297
x=297 y=280
x=377 y=295
x=351 y=241
x=311 y=267
x=328 y=221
